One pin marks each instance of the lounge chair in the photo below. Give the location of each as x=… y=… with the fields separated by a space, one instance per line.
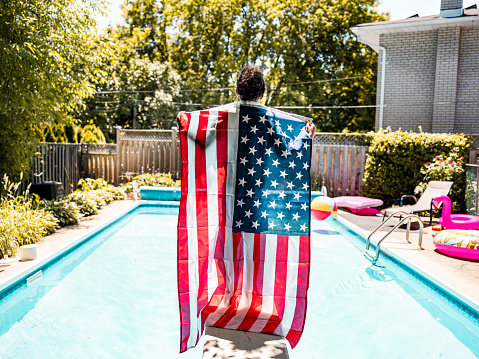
x=425 y=203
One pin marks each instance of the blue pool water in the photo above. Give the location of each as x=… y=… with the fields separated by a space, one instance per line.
x=115 y=297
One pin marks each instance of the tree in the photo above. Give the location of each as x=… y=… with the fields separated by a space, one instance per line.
x=138 y=88
x=302 y=45
x=44 y=52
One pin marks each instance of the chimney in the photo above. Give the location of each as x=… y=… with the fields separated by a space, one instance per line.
x=451 y=8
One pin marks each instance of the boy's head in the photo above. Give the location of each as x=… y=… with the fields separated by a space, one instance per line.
x=250 y=85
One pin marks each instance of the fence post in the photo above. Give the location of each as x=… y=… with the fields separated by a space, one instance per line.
x=118 y=157
x=174 y=149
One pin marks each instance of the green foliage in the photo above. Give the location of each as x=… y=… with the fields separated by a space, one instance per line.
x=157 y=180
x=92 y=194
x=89 y=184
x=91 y=134
x=20 y=222
x=65 y=211
x=447 y=167
x=45 y=53
x=471 y=189
x=394 y=162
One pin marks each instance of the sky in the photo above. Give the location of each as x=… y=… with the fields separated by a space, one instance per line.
x=399 y=9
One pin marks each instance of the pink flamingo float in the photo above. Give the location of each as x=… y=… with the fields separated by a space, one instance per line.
x=454 y=221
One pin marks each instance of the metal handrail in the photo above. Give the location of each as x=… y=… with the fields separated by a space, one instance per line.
x=407 y=217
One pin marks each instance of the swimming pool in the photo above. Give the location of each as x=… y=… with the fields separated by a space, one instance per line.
x=115 y=297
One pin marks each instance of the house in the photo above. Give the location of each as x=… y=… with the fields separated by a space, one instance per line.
x=428 y=70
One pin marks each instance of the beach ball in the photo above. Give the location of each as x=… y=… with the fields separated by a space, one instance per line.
x=323 y=208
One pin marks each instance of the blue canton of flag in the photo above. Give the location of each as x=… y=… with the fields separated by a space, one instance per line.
x=272 y=193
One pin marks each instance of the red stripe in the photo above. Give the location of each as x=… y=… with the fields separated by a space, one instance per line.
x=201 y=190
x=281 y=275
x=238 y=263
x=257 y=295
x=182 y=244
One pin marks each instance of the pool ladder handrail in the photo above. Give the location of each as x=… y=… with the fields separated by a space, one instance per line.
x=407 y=217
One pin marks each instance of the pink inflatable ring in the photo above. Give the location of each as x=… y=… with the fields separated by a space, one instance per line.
x=454 y=221
x=458 y=243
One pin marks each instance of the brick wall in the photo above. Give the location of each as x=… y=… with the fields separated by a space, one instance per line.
x=451 y=4
x=447 y=59
x=410 y=77
x=432 y=80
x=467 y=106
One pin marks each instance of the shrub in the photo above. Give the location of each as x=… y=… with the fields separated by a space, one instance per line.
x=395 y=159
x=20 y=221
x=157 y=180
x=66 y=211
x=85 y=201
x=89 y=184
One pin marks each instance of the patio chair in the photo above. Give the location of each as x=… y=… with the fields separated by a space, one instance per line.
x=425 y=203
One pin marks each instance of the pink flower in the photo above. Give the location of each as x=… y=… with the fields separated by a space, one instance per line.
x=441 y=164
x=452 y=163
x=438 y=157
x=455 y=148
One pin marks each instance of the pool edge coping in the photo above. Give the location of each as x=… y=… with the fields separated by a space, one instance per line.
x=453 y=292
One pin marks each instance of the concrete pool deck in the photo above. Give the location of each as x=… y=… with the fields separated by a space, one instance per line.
x=460 y=275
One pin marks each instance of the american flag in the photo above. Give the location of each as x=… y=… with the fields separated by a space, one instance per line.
x=243 y=226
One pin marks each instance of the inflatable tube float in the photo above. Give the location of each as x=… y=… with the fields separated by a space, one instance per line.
x=458 y=243
x=455 y=221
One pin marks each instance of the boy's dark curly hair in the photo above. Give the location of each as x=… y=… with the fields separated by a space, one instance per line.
x=250 y=85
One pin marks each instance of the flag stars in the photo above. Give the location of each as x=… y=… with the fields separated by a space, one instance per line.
x=290 y=128
x=270 y=130
x=246 y=118
x=275 y=163
x=277 y=123
x=283 y=174
x=299 y=155
x=240 y=203
x=289 y=185
x=244 y=139
x=241 y=182
x=305 y=166
x=280 y=215
x=267 y=172
x=269 y=151
x=261 y=140
x=251 y=171
x=239 y=223
x=255 y=224
x=250 y=193
x=264 y=214
x=258 y=182
x=297 y=196
x=296 y=216
x=277 y=142
x=281 y=195
x=304 y=206
x=252 y=150
x=271 y=225
x=274 y=184
x=299 y=175
x=305 y=186
x=292 y=165
x=287 y=227
x=248 y=213
x=288 y=205
x=284 y=153
x=306 y=145
x=257 y=203
x=243 y=161
x=303 y=227
x=254 y=129
x=266 y=192
x=273 y=204
x=259 y=161
x=262 y=119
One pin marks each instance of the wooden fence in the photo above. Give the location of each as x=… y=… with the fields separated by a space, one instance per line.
x=337 y=160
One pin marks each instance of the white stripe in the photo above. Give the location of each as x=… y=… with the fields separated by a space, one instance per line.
x=192 y=230
x=269 y=275
x=247 y=289
x=233 y=124
x=291 y=287
x=212 y=200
